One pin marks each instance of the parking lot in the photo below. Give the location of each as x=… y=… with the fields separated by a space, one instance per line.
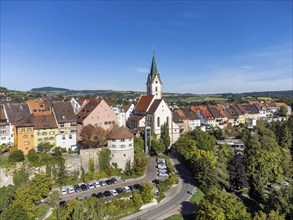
x=151 y=174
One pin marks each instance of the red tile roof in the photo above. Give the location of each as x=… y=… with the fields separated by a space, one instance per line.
x=144 y=103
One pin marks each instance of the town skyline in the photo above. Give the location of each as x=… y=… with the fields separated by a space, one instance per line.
x=200 y=47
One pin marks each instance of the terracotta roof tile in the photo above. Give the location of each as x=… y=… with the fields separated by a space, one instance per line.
x=121 y=133
x=144 y=103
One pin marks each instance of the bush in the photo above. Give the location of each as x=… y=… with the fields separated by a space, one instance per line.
x=33 y=157
x=16 y=156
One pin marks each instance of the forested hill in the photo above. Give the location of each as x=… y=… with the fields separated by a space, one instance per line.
x=49 y=89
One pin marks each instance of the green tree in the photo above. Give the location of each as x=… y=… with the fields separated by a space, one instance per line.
x=44 y=147
x=33 y=157
x=16 y=156
x=186 y=147
x=203 y=167
x=281 y=201
x=104 y=158
x=146 y=192
x=15 y=211
x=136 y=197
x=140 y=158
x=7 y=194
x=20 y=177
x=165 y=135
x=204 y=140
x=220 y=205
x=283 y=111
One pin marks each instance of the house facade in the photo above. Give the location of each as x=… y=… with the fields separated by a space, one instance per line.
x=66 y=124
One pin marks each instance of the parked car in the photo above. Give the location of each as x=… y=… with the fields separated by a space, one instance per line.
x=97 y=183
x=114 y=192
x=284 y=183
x=163 y=174
x=90 y=185
x=100 y=195
x=157 y=181
x=114 y=180
x=94 y=195
x=162 y=166
x=83 y=187
x=107 y=194
x=103 y=182
x=137 y=186
x=161 y=160
x=63 y=190
x=131 y=187
x=126 y=189
x=119 y=190
x=109 y=182
x=70 y=189
x=77 y=188
x=162 y=170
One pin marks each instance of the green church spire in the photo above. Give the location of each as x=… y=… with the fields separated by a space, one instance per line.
x=154 y=70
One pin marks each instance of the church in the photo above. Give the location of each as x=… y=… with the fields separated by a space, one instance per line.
x=151 y=110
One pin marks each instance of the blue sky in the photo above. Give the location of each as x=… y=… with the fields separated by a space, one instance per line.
x=200 y=46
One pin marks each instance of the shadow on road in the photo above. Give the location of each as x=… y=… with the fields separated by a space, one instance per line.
x=188 y=208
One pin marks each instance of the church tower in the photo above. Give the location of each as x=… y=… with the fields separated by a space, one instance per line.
x=154 y=83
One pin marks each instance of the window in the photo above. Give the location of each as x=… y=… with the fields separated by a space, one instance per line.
x=51 y=138
x=25 y=136
x=32 y=136
x=122 y=140
x=130 y=145
x=156 y=89
x=123 y=146
x=158 y=121
x=113 y=145
x=167 y=119
x=124 y=155
x=46 y=139
x=63 y=137
x=44 y=133
x=62 y=125
x=70 y=136
x=51 y=132
x=38 y=133
x=26 y=143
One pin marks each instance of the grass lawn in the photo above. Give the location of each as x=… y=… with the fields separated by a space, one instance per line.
x=197 y=197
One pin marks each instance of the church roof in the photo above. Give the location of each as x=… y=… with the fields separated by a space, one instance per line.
x=144 y=103
x=154 y=70
x=154 y=106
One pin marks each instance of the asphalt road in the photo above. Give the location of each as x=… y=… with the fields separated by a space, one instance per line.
x=150 y=175
x=178 y=198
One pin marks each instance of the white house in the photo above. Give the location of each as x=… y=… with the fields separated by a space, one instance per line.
x=66 y=122
x=6 y=128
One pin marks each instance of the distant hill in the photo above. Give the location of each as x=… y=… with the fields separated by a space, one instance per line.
x=49 y=89
x=269 y=94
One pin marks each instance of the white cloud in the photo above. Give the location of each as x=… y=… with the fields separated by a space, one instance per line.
x=140 y=69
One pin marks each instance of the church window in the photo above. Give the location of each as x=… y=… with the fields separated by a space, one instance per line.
x=158 y=121
x=167 y=120
x=156 y=89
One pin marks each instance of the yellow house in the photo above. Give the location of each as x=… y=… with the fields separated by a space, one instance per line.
x=45 y=129
x=24 y=134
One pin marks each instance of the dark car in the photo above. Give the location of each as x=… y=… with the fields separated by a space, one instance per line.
x=137 y=186
x=77 y=188
x=157 y=181
x=94 y=195
x=83 y=187
x=114 y=180
x=62 y=203
x=119 y=190
x=109 y=182
x=131 y=187
x=100 y=195
x=107 y=194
